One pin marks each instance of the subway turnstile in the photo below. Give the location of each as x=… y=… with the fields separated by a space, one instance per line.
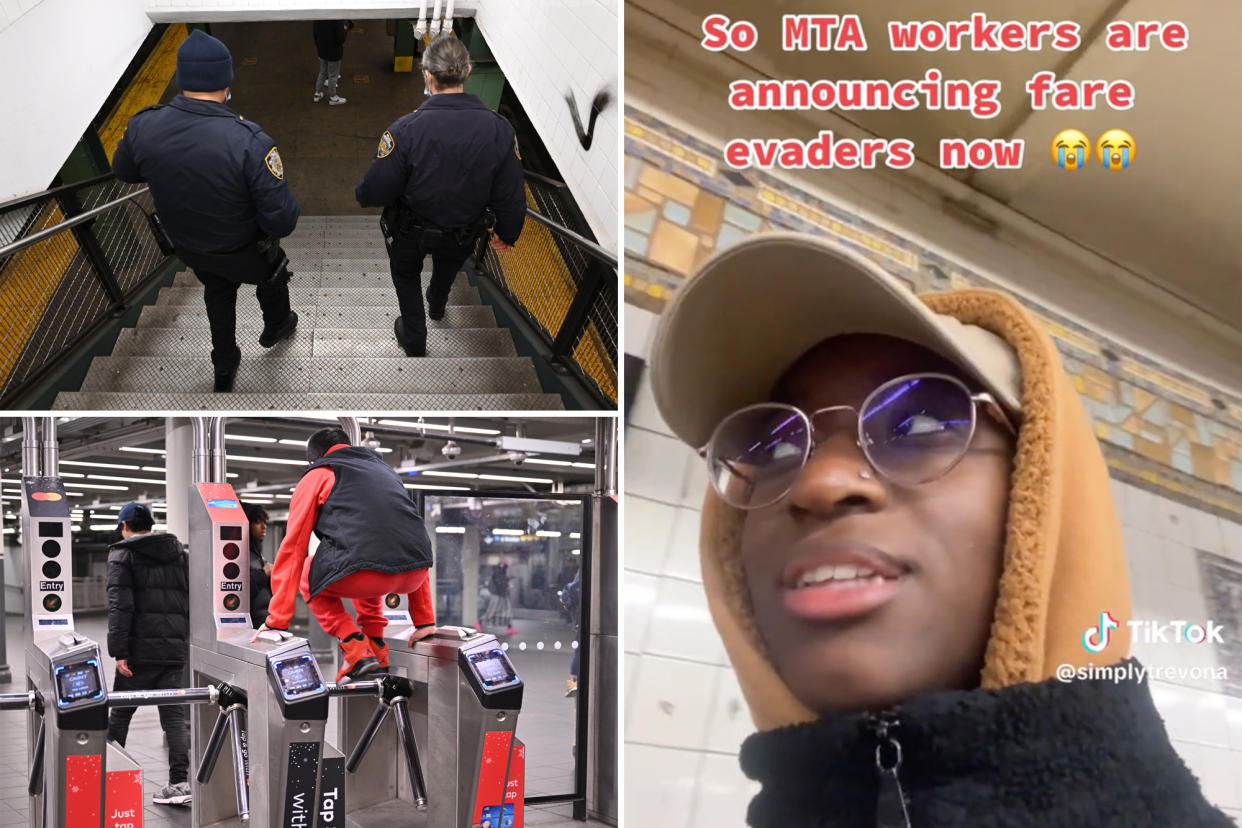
x=282 y=705
x=463 y=698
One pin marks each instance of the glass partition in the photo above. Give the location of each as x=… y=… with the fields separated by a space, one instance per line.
x=510 y=566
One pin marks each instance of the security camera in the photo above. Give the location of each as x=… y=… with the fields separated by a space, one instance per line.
x=517 y=458
x=451 y=450
x=371 y=441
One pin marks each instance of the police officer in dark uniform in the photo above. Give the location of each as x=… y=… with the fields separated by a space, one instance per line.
x=219 y=189
x=443 y=173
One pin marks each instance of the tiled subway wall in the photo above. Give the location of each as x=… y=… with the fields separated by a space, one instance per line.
x=681 y=207
x=684 y=714
x=548 y=50
x=10 y=10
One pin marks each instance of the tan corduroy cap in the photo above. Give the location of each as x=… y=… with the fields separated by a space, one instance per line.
x=751 y=311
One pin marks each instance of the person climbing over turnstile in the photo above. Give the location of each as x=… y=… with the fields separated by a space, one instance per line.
x=372 y=542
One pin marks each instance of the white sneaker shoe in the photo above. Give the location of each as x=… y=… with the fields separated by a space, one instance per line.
x=318 y=97
x=178 y=794
x=335 y=100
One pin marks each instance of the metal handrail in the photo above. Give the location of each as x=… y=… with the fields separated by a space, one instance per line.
x=586 y=244
x=35 y=198
x=67 y=223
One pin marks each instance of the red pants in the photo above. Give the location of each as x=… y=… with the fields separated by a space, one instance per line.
x=366 y=588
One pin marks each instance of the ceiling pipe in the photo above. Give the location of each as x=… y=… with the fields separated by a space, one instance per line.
x=30 y=447
x=434 y=28
x=420 y=28
x=350 y=426
x=200 y=464
x=50 y=448
x=218 y=458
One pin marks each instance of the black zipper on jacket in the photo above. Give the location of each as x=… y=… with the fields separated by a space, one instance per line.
x=890 y=809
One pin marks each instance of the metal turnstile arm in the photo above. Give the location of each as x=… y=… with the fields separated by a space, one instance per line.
x=368 y=736
x=231 y=722
x=394 y=693
x=36 y=766
x=17 y=701
x=405 y=734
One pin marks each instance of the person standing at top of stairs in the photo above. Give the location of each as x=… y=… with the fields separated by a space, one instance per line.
x=443 y=174
x=219 y=189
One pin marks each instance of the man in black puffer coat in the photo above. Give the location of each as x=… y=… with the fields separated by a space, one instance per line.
x=330 y=46
x=148 y=633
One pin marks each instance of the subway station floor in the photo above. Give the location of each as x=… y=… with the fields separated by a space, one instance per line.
x=542 y=725
x=325 y=149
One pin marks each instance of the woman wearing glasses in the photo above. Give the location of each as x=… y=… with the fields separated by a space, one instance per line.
x=908 y=535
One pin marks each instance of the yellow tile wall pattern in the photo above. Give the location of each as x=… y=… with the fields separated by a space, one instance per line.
x=707 y=213
x=673 y=247
x=667 y=185
x=1111 y=389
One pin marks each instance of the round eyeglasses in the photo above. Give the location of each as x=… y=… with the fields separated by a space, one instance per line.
x=912 y=429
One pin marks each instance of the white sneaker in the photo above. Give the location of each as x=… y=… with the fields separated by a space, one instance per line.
x=178 y=794
x=318 y=97
x=335 y=99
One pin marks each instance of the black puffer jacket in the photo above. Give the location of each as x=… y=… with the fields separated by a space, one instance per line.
x=330 y=38
x=149 y=600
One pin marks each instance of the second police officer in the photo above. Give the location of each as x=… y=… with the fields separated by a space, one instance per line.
x=219 y=189
x=439 y=171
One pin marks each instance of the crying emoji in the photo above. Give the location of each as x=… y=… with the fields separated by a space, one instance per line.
x=1071 y=149
x=1115 y=149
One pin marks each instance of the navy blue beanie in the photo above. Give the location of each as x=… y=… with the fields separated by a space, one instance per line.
x=203 y=64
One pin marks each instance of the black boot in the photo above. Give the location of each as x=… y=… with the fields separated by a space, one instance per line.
x=412 y=349
x=270 y=337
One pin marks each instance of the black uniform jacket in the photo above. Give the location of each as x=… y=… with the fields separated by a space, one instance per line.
x=217 y=179
x=447 y=161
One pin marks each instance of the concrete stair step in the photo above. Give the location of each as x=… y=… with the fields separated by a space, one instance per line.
x=206 y=401
x=350 y=297
x=248 y=318
x=325 y=342
x=293 y=376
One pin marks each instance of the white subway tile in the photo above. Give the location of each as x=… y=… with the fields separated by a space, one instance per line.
x=648 y=528
x=683 y=554
x=681 y=626
x=668 y=707
x=728 y=723
x=654 y=465
x=723 y=794
x=639 y=597
x=659 y=785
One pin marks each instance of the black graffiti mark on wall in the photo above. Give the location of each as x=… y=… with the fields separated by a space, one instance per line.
x=598 y=105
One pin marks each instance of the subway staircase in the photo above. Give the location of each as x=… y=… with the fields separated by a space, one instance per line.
x=342 y=357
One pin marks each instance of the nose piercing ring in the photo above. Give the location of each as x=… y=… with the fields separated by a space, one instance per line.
x=865 y=474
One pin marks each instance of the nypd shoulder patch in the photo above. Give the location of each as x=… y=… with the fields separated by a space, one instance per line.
x=386 y=145
x=274 y=165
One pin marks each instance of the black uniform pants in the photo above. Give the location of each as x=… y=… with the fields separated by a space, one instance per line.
x=220 y=295
x=405 y=258
x=172 y=716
